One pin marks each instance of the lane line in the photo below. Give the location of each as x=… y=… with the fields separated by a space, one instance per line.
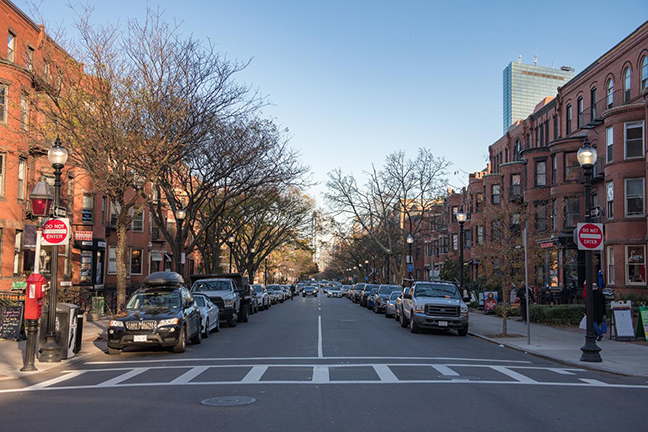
x=594 y=382
x=123 y=377
x=68 y=375
x=190 y=374
x=320 y=353
x=255 y=374
x=516 y=376
x=321 y=374
x=445 y=370
x=385 y=374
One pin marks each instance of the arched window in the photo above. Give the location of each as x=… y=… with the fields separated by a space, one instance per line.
x=610 y=93
x=579 y=118
x=593 y=98
x=568 y=119
x=517 y=149
x=644 y=73
x=627 y=84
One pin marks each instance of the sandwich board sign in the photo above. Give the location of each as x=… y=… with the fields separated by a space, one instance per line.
x=622 y=320
x=642 y=323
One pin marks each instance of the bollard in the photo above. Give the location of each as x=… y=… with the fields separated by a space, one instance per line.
x=30 y=349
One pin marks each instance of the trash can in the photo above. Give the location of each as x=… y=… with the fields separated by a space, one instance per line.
x=66 y=328
x=79 y=332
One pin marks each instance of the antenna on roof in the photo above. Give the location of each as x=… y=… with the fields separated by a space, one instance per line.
x=520 y=59
x=535 y=59
x=552 y=64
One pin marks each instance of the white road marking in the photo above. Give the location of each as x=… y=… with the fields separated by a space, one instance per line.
x=385 y=374
x=594 y=382
x=515 y=375
x=321 y=374
x=68 y=375
x=190 y=374
x=562 y=371
x=320 y=353
x=255 y=374
x=445 y=370
x=123 y=377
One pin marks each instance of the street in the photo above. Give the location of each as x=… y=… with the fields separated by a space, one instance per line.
x=323 y=364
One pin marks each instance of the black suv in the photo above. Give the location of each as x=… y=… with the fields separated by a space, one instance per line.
x=162 y=313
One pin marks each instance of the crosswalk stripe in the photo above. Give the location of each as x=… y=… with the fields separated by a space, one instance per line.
x=255 y=374
x=190 y=374
x=321 y=374
x=45 y=384
x=385 y=374
x=123 y=377
x=445 y=370
x=516 y=376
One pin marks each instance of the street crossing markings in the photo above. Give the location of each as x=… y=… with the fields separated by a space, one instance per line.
x=123 y=377
x=594 y=382
x=255 y=374
x=445 y=370
x=321 y=374
x=190 y=374
x=385 y=374
x=320 y=353
x=515 y=375
x=46 y=384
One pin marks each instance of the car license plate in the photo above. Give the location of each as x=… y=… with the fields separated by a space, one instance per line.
x=139 y=338
x=443 y=323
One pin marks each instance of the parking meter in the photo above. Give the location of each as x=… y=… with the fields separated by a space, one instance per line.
x=34 y=296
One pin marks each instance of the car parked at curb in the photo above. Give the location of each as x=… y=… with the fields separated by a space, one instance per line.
x=381 y=297
x=390 y=308
x=436 y=305
x=210 y=315
x=261 y=296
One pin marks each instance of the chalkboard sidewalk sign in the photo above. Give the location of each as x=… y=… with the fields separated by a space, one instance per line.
x=10 y=322
x=622 y=320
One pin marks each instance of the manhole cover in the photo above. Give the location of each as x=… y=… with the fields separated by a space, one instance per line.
x=228 y=401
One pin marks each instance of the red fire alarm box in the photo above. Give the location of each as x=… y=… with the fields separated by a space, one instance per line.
x=34 y=296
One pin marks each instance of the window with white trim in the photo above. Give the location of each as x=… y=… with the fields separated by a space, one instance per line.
x=635 y=268
x=18 y=245
x=3 y=168
x=580 y=108
x=627 y=84
x=138 y=222
x=480 y=234
x=495 y=194
x=136 y=261
x=87 y=211
x=24 y=111
x=644 y=72
x=541 y=173
x=609 y=141
x=22 y=173
x=610 y=199
x=634 y=197
x=4 y=98
x=455 y=243
x=29 y=58
x=634 y=139
x=112 y=260
x=11 y=47
x=610 y=93
x=610 y=265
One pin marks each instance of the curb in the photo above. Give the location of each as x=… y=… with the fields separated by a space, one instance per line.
x=552 y=358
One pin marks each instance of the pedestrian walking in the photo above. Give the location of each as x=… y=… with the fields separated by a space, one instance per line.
x=292 y=292
x=521 y=293
x=599 y=312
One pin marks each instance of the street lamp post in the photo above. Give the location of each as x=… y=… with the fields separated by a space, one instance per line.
x=51 y=351
x=230 y=243
x=410 y=261
x=587 y=158
x=461 y=218
x=366 y=268
x=181 y=214
x=251 y=264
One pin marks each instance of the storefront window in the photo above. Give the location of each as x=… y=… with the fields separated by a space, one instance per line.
x=636 y=265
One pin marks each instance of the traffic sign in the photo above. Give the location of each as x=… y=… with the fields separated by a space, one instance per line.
x=410 y=268
x=589 y=236
x=60 y=211
x=56 y=231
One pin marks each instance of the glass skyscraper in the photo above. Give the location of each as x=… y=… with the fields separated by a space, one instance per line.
x=526 y=85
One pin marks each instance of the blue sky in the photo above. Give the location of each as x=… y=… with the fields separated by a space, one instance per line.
x=356 y=80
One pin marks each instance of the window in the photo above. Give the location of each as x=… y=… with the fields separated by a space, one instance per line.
x=516 y=186
x=453 y=215
x=634 y=147
x=610 y=199
x=555 y=128
x=541 y=173
x=546 y=133
x=455 y=245
x=644 y=73
x=610 y=93
x=517 y=149
x=112 y=260
x=18 y=244
x=554 y=215
x=610 y=265
x=103 y=210
x=495 y=194
x=537 y=136
x=29 y=58
x=496 y=231
x=579 y=118
x=541 y=129
x=609 y=140
x=572 y=167
x=24 y=111
x=627 y=85
x=22 y=173
x=87 y=212
x=4 y=97
x=3 y=158
x=568 y=119
x=11 y=47
x=572 y=212
x=480 y=234
x=136 y=262
x=138 y=222
x=593 y=98
x=634 y=197
x=636 y=265
x=467 y=239
x=540 y=218
x=554 y=170
x=479 y=201
x=114 y=208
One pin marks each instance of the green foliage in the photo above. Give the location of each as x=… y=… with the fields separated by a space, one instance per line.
x=450 y=270
x=499 y=309
x=570 y=314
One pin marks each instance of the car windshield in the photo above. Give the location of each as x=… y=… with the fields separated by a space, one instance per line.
x=200 y=301
x=440 y=291
x=394 y=295
x=212 y=285
x=258 y=290
x=370 y=287
x=309 y=288
x=386 y=289
x=373 y=290
x=155 y=300
x=273 y=287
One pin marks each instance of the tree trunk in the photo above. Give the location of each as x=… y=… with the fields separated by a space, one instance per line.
x=505 y=302
x=120 y=255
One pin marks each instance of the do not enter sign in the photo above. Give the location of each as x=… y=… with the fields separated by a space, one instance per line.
x=56 y=231
x=589 y=236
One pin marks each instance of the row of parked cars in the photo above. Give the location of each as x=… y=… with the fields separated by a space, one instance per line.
x=166 y=312
x=424 y=304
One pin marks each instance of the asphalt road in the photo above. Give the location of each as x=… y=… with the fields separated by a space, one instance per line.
x=320 y=364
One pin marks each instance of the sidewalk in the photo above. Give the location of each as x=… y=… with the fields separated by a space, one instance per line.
x=562 y=345
x=12 y=352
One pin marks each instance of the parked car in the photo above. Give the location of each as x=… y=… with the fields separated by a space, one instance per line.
x=381 y=297
x=390 y=308
x=435 y=305
x=398 y=307
x=364 y=295
x=162 y=313
x=334 y=292
x=254 y=305
x=230 y=292
x=369 y=301
x=210 y=315
x=261 y=296
x=309 y=291
x=357 y=292
x=276 y=295
x=345 y=290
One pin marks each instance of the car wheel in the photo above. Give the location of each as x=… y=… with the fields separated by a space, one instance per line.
x=233 y=321
x=206 y=332
x=181 y=345
x=403 y=320
x=114 y=351
x=463 y=331
x=414 y=328
x=197 y=339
